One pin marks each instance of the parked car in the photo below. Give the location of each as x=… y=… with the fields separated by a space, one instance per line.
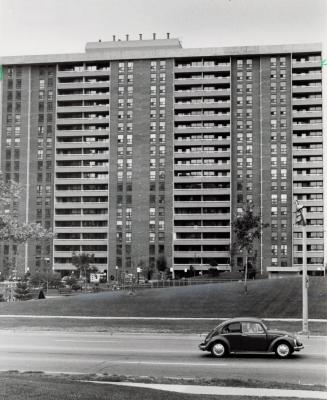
x=249 y=335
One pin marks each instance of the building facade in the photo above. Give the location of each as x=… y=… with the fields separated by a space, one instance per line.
x=139 y=150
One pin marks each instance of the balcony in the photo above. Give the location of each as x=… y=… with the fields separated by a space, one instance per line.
x=77 y=181
x=80 y=145
x=202 y=153
x=71 y=267
x=306 y=101
x=83 y=96
x=201 y=216
x=201 y=178
x=202 y=80
x=82 y=168
x=307 y=190
x=190 y=254
x=76 y=229
x=83 y=72
x=202 y=93
x=202 y=68
x=200 y=105
x=308 y=164
x=201 y=203
x=80 y=242
x=202 y=129
x=307 y=114
x=72 y=109
x=73 y=157
x=68 y=205
x=187 y=142
x=77 y=121
x=202 y=117
x=67 y=254
x=306 y=76
x=306 y=89
x=204 y=229
x=306 y=64
x=81 y=85
x=82 y=132
x=307 y=126
x=307 y=152
x=202 y=191
x=201 y=267
x=200 y=242
x=80 y=217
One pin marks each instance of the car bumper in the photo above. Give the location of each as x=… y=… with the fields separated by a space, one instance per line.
x=298 y=348
x=203 y=347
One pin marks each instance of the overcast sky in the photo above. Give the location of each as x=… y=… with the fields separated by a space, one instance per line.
x=62 y=26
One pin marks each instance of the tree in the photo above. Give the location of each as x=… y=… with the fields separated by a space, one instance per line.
x=247 y=228
x=38 y=278
x=162 y=263
x=22 y=291
x=11 y=229
x=82 y=262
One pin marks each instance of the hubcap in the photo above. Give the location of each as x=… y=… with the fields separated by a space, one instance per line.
x=283 y=350
x=218 y=349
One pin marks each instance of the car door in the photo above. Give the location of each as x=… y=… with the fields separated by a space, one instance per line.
x=233 y=333
x=254 y=337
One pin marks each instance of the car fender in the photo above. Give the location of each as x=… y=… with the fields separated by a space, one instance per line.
x=218 y=338
x=280 y=339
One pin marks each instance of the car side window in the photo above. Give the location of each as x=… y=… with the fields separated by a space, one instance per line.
x=235 y=327
x=252 y=327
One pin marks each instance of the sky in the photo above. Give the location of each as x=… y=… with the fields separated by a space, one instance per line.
x=64 y=26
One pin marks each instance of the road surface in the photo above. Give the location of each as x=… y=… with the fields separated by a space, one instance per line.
x=155 y=355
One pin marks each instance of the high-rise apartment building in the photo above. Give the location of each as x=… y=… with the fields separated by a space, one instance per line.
x=136 y=150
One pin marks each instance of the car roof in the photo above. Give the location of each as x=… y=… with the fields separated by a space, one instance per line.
x=243 y=319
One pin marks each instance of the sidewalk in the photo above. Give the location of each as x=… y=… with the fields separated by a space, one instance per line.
x=224 y=390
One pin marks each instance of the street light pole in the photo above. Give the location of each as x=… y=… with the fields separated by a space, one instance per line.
x=305 y=325
x=301 y=220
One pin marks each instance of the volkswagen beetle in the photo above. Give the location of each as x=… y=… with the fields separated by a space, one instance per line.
x=249 y=335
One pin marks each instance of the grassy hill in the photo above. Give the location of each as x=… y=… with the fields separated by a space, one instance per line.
x=280 y=298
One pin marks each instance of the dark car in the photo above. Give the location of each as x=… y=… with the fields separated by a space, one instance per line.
x=249 y=335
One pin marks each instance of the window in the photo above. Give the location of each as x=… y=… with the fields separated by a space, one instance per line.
x=235 y=327
x=252 y=327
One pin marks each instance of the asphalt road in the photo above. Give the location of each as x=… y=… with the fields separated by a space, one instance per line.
x=155 y=355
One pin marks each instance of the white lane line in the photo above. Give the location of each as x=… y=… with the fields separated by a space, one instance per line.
x=86 y=341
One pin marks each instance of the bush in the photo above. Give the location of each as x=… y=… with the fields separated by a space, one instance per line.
x=22 y=291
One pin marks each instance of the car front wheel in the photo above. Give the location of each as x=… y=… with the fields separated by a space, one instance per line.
x=219 y=349
x=283 y=350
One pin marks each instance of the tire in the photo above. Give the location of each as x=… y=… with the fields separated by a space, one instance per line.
x=219 y=350
x=283 y=350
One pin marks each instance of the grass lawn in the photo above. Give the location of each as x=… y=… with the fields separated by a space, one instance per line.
x=28 y=386
x=142 y=326
x=266 y=298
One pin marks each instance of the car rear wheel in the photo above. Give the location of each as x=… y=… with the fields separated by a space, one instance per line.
x=283 y=350
x=219 y=349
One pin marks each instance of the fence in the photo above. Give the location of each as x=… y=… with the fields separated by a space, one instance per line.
x=168 y=283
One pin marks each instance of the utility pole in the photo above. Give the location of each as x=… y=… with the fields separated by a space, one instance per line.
x=301 y=220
